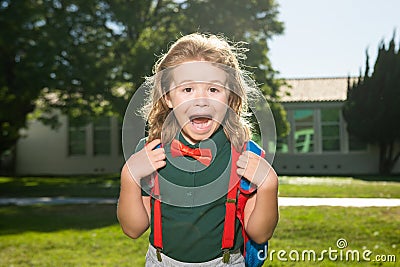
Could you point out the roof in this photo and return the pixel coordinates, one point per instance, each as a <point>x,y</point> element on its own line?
<point>314,89</point>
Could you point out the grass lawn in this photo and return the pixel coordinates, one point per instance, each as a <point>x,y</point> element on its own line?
<point>89,235</point>
<point>337,187</point>
<point>108,186</point>
<point>74,186</point>
<point>76,235</point>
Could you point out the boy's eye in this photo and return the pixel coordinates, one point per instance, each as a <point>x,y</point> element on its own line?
<point>187,89</point>
<point>213,90</point>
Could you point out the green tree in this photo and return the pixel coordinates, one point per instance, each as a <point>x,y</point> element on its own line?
<point>372,107</point>
<point>253,22</point>
<point>55,48</point>
<point>87,58</point>
<point>143,30</point>
<point>18,87</point>
<point>148,28</point>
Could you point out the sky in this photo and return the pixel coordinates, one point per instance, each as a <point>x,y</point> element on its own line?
<point>329,38</point>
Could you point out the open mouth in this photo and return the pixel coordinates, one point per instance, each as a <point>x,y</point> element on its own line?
<point>201,123</point>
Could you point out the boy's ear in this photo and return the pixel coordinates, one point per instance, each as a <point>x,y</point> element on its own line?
<point>168,101</point>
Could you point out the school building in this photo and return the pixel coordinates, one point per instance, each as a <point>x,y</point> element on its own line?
<point>318,143</point>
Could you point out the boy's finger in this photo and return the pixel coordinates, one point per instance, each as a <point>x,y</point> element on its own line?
<point>250,154</point>
<point>158,151</point>
<point>241,163</point>
<point>153,144</point>
<point>240,171</point>
<point>160,156</point>
<point>159,164</point>
<point>243,156</point>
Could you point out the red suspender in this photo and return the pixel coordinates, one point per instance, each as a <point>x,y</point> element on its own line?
<point>157,215</point>
<point>157,224</point>
<point>230,210</point>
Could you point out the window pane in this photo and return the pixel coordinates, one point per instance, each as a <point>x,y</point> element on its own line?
<point>331,144</point>
<point>304,139</point>
<point>102,136</point>
<point>304,130</point>
<point>330,115</point>
<point>330,131</point>
<point>77,141</point>
<point>282,145</point>
<point>303,116</point>
<point>330,121</point>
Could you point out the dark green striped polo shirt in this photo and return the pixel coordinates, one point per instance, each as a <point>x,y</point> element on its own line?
<point>193,202</point>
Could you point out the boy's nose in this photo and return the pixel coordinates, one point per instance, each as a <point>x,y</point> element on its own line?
<point>201,98</point>
<point>201,102</point>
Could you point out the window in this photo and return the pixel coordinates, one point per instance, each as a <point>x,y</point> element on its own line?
<point>76,138</point>
<point>330,126</point>
<point>102,136</point>
<point>282,145</point>
<point>304,130</point>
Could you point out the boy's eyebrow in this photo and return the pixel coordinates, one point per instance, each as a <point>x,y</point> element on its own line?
<point>195,81</point>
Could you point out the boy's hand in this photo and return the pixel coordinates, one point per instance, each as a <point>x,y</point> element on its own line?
<point>253,167</point>
<point>147,160</point>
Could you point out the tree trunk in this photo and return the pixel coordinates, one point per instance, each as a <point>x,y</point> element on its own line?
<point>8,162</point>
<point>386,158</point>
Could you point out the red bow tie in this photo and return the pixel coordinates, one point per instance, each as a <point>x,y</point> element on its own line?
<point>203,155</point>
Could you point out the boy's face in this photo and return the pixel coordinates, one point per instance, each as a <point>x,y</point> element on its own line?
<point>199,99</point>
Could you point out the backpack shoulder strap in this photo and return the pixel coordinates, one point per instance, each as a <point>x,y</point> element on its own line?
<point>255,148</point>
<point>245,186</point>
<point>233,208</point>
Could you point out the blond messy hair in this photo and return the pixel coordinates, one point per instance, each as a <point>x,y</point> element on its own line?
<point>208,48</point>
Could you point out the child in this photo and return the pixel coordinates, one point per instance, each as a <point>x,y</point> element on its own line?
<point>198,103</point>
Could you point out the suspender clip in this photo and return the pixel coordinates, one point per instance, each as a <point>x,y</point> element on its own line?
<point>226,256</point>
<point>231,200</point>
<point>158,252</point>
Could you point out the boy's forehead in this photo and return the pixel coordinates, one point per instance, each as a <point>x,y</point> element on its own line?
<point>199,72</point>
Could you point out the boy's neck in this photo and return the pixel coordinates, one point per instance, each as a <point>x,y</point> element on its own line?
<point>193,142</point>
<point>189,140</point>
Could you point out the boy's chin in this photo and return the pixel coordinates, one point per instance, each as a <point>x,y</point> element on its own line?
<point>193,135</point>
